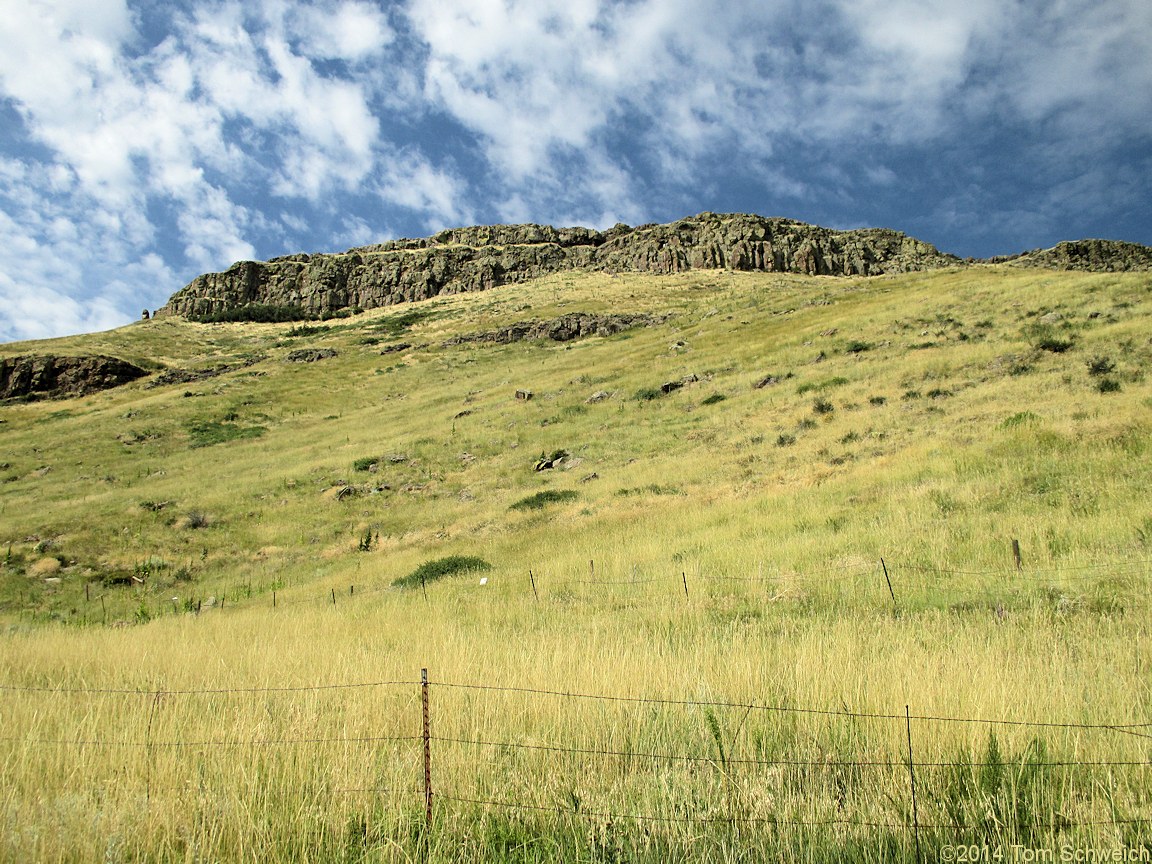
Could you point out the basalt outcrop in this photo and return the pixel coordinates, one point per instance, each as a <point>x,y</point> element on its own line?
<point>566,328</point>
<point>48,376</point>
<point>484,257</point>
<point>1097,256</point>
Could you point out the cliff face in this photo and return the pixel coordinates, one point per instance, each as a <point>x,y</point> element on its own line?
<point>47,376</point>
<point>483,257</point>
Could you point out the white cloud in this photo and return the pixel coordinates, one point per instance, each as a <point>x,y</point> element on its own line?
<point>539,80</point>
<point>48,253</point>
<point>410,181</point>
<point>346,31</point>
<point>170,146</point>
<point>230,106</point>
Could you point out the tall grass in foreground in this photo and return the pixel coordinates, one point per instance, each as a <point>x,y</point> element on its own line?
<point>776,728</point>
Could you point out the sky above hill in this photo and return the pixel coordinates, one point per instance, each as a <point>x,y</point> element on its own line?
<point>145,142</point>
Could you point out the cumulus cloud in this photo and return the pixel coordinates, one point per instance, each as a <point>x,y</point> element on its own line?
<point>232,106</point>
<point>149,145</point>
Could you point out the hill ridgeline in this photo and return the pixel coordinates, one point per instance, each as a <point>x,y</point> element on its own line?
<point>483,257</point>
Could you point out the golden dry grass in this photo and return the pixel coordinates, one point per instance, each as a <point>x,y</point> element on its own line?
<point>950,434</point>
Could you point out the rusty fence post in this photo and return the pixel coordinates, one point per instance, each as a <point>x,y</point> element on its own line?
<point>427,756</point>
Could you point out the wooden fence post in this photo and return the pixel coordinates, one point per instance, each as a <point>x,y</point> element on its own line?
<point>1016,555</point>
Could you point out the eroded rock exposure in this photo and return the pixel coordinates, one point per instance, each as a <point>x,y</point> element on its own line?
<point>576,325</point>
<point>1098,256</point>
<point>48,376</point>
<point>479,258</point>
<point>483,257</point>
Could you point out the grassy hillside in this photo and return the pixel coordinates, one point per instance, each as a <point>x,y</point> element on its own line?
<point>718,546</point>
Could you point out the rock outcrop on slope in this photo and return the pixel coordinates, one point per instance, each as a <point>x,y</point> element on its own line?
<point>1098,256</point>
<point>566,328</point>
<point>483,257</point>
<point>48,376</point>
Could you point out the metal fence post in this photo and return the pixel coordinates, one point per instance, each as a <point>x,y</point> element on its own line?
<point>427,754</point>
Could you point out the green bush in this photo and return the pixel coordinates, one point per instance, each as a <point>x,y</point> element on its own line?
<point>1100,365</point>
<point>548,496</point>
<point>713,399</point>
<point>823,406</point>
<point>365,463</point>
<point>1054,344</point>
<point>647,394</point>
<point>453,565</point>
<point>255,312</point>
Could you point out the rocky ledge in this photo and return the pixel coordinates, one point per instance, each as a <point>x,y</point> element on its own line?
<point>47,376</point>
<point>1098,256</point>
<point>479,258</point>
<point>483,257</point>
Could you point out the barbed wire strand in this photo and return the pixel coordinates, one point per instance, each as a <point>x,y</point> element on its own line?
<point>266,742</point>
<point>164,691</point>
<point>704,703</point>
<point>810,763</point>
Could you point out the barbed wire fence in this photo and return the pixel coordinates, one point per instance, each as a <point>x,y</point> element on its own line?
<point>425,746</point>
<point>899,580</point>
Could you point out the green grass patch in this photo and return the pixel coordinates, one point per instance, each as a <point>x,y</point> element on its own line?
<point>821,386</point>
<point>650,489</point>
<point>205,433</point>
<point>542,499</point>
<point>453,565</point>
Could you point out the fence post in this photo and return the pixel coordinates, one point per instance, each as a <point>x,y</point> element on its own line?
<point>684,576</point>
<point>333,596</point>
<point>912,774</point>
<point>533,580</point>
<point>427,756</point>
<point>889,581</point>
<point>1016,554</point>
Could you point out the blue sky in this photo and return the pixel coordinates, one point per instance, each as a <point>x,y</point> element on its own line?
<point>145,142</point>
